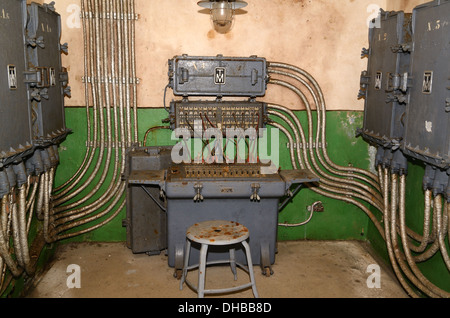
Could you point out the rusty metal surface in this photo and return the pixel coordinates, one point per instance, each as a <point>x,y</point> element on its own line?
<point>217,172</point>
<point>151,177</point>
<point>223,115</point>
<point>218,232</point>
<point>298,177</point>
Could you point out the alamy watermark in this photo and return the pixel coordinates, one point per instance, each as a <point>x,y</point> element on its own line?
<point>374,279</point>
<point>73,21</point>
<point>74,279</point>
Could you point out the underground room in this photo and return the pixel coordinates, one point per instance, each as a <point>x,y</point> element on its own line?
<point>225,149</point>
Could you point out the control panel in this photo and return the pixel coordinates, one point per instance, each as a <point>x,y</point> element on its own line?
<point>201,116</point>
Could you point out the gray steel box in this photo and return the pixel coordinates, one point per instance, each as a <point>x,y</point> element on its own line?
<point>218,76</point>
<point>44,59</point>
<point>427,120</point>
<point>145,220</point>
<point>386,79</point>
<point>238,192</point>
<point>14,112</point>
<point>224,198</point>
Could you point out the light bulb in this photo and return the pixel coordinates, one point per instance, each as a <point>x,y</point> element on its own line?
<point>222,15</point>
<point>222,12</point>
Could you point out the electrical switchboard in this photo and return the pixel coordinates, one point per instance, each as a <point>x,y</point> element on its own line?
<point>49,85</point>
<point>384,84</point>
<point>218,76</point>
<point>222,115</point>
<point>15,132</point>
<point>427,121</point>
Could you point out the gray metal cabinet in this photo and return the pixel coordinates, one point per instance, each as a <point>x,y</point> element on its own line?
<point>427,121</point>
<point>218,76</point>
<point>15,132</point>
<point>48,79</point>
<point>384,84</point>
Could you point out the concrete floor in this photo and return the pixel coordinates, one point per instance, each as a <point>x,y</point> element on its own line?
<point>302,270</point>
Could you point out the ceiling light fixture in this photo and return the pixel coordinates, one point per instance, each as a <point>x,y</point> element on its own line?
<point>222,12</point>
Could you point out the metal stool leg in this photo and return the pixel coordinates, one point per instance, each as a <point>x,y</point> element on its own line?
<point>250,268</point>
<point>233,262</point>
<point>187,252</point>
<point>202,271</point>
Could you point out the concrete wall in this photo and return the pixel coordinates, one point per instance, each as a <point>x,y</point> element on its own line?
<point>324,37</point>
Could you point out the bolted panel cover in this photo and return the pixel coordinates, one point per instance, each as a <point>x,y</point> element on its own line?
<point>384,83</point>
<point>218,76</point>
<point>15,133</point>
<point>427,128</point>
<point>44,59</point>
<point>145,220</point>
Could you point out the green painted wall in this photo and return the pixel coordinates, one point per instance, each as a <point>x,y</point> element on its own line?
<point>434,269</point>
<point>339,221</point>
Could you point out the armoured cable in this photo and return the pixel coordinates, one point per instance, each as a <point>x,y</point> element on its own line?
<point>133,68</point>
<point>433,246</point>
<point>32,201</point>
<point>338,188</point>
<point>425,239</point>
<point>372,194</point>
<point>92,218</point>
<point>40,199</point>
<point>126,43</point>
<point>425,285</point>
<point>94,227</point>
<point>442,223</point>
<point>32,195</point>
<point>102,73</point>
<point>151,130</point>
<point>15,270</point>
<point>98,146</point>
<point>323,113</point>
<point>46,208</point>
<point>324,190</point>
<point>302,223</point>
<point>78,175</point>
<point>120,75</point>
<point>23,234</point>
<point>113,188</point>
<point>320,127</point>
<point>326,179</point>
<point>387,229</point>
<point>16,230</point>
<point>399,256</point>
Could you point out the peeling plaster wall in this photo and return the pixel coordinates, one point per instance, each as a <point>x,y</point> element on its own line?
<point>324,37</point>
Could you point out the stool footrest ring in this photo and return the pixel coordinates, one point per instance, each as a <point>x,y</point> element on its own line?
<point>243,267</point>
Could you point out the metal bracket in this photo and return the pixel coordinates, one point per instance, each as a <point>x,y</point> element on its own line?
<point>363,83</point>
<point>198,189</point>
<point>255,189</point>
<point>400,98</point>
<point>365,52</point>
<point>401,48</point>
<point>33,42</point>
